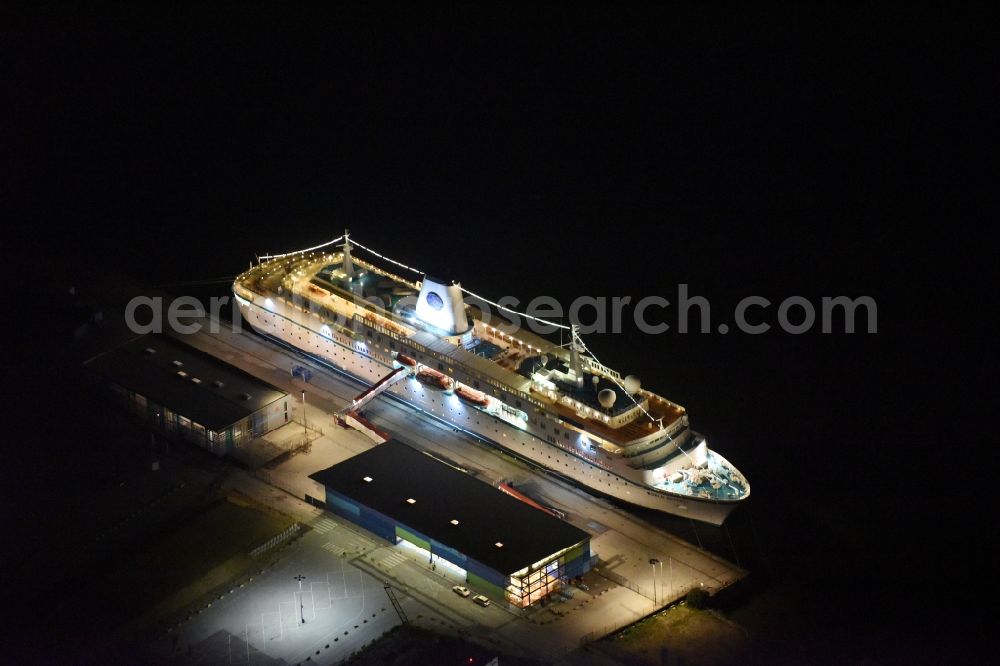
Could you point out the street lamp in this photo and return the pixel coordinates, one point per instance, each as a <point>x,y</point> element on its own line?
<point>302,609</point>
<point>304,428</point>
<point>653,562</point>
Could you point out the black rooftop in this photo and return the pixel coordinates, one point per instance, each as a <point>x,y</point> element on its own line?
<point>485,515</point>
<point>150,364</point>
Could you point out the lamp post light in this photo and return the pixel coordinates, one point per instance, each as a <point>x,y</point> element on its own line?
<point>302,609</point>
<point>653,562</point>
<point>304,428</point>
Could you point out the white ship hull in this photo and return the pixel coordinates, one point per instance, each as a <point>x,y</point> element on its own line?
<point>305,331</point>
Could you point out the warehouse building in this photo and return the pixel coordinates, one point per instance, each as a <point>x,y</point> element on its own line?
<point>507,549</point>
<point>186,392</point>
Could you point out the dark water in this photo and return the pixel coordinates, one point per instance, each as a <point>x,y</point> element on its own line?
<point>611,153</point>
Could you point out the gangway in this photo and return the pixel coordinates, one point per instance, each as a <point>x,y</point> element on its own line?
<point>350,415</point>
<point>364,426</point>
<point>372,391</point>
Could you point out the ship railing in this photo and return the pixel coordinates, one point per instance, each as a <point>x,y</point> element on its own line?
<point>248,292</point>
<point>475,374</point>
<point>654,444</point>
<point>360,319</point>
<point>309,306</point>
<point>337,292</point>
<point>602,369</point>
<point>382,271</point>
<point>649,395</point>
<point>738,478</point>
<point>320,311</point>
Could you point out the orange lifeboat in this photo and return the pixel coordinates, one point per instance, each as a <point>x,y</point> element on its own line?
<point>434,378</point>
<point>403,359</point>
<point>471,396</point>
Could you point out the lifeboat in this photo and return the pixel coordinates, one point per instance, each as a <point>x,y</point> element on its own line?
<point>471,396</point>
<point>434,379</point>
<point>403,359</point>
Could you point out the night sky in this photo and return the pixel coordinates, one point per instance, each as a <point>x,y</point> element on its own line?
<point>785,150</point>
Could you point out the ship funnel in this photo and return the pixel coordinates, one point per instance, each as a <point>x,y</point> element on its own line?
<point>442,306</point>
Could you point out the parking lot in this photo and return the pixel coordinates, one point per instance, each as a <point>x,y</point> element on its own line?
<point>331,611</point>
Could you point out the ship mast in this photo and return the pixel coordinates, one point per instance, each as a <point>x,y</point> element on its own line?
<point>574,355</point>
<point>348,262</point>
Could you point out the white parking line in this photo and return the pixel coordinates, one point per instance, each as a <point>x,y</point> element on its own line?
<point>312,590</point>
<point>312,602</point>
<point>271,626</point>
<point>323,525</point>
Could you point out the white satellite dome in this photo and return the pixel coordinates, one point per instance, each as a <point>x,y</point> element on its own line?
<point>632,384</point>
<point>595,379</point>
<point>544,359</point>
<point>607,398</point>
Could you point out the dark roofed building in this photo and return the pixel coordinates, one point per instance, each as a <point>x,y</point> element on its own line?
<point>185,391</point>
<point>507,548</point>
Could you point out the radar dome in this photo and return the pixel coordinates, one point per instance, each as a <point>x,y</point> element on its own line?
<point>632,384</point>
<point>544,360</point>
<point>595,379</point>
<point>607,398</point>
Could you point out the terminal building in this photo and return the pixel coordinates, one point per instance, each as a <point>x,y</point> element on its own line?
<point>186,392</point>
<point>507,549</point>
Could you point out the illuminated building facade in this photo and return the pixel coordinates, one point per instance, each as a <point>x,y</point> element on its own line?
<point>190,394</point>
<point>505,548</point>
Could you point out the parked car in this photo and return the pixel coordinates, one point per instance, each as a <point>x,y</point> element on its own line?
<point>481,600</point>
<point>460,590</point>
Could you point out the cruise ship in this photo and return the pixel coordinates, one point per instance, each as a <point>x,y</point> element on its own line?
<point>553,405</point>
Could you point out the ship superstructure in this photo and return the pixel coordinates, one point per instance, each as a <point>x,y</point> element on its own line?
<point>553,405</point>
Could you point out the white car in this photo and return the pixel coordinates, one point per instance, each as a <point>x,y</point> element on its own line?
<point>481,600</point>
<point>460,591</point>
